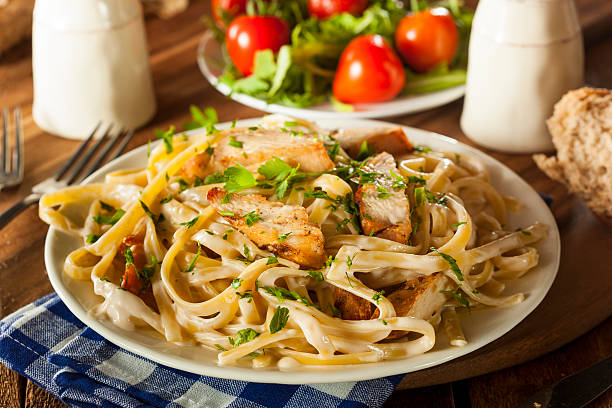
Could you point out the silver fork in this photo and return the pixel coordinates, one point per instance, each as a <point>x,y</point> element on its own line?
<point>77,165</point>
<point>11,169</point>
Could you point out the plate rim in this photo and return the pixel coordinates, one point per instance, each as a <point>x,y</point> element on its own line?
<point>440,98</point>
<point>368,372</point>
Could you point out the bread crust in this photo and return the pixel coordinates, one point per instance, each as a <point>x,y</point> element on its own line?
<point>581,130</point>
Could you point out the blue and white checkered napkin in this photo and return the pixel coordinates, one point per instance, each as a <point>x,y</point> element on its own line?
<point>48,344</point>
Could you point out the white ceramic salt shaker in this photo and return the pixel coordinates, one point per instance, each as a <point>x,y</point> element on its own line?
<point>90,64</point>
<point>523,56</point>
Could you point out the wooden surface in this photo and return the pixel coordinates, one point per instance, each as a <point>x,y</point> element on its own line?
<point>578,302</point>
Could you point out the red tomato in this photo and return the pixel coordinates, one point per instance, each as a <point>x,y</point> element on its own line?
<point>248,34</point>
<point>369,71</point>
<point>231,8</point>
<point>327,8</point>
<point>427,38</point>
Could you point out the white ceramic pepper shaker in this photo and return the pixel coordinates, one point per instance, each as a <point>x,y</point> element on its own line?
<point>90,64</point>
<point>524,55</point>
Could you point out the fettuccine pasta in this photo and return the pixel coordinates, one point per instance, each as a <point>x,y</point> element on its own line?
<point>288,245</point>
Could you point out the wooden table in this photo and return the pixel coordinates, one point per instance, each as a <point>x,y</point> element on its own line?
<point>178,83</point>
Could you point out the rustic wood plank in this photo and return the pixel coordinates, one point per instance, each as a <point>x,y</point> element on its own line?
<point>12,387</point>
<point>36,397</point>
<point>506,388</point>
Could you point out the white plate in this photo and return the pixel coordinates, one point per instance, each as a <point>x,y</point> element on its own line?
<point>481,327</point>
<point>210,62</point>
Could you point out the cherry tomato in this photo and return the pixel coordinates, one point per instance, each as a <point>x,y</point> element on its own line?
<point>327,8</point>
<point>231,8</point>
<point>248,34</point>
<point>427,38</point>
<point>369,71</point>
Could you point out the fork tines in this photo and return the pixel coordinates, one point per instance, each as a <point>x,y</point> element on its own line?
<point>85,154</point>
<point>11,166</point>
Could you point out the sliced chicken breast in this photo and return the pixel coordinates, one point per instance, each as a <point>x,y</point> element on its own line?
<point>378,138</point>
<point>282,229</point>
<point>352,307</point>
<point>384,210</point>
<point>252,148</point>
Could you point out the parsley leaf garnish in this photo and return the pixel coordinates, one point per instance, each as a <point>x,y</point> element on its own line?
<point>272,260</point>
<point>167,136</point>
<point>226,213</point>
<point>236,283</point>
<point>243,336</point>
<point>166,199</point>
<point>156,218</point>
<point>91,238</point>
<point>251,218</point>
<point>317,275</point>
<point>422,149</point>
<point>283,236</point>
<point>286,294</point>
<point>193,260</point>
<point>220,347</point>
<point>191,223</point>
<point>458,296</point>
<point>235,143</point>
<point>455,225</point>
<point>279,320</point>
<point>207,119</point>
<point>377,296</point>
<point>451,261</point>
<point>365,151</point>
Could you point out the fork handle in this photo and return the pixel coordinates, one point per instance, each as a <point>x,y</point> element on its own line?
<point>16,209</point>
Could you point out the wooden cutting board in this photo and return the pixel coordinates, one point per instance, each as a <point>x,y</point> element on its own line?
<point>580,299</point>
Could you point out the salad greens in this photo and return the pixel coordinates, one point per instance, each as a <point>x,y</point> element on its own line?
<point>301,73</point>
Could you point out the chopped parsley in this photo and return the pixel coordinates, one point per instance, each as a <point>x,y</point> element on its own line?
<point>226,234</point>
<point>166,199</point>
<point>191,223</point>
<point>167,136</point>
<point>457,224</point>
<point>209,150</point>
<point>183,185</point>
<point>365,151</point>
<point>377,296</point>
<point>286,294</point>
<point>291,123</point>
<point>251,218</point>
<point>243,336</point>
<point>272,260</point>
<point>236,283</point>
<point>226,198</point>
<point>342,224</point>
<point>317,275</point>
<point>226,213</point>
<point>283,236</point>
<point>246,253</point>
<point>522,231</point>
<point>384,322</point>
<point>422,149</point>
<point>458,296</point>
<point>382,196</point>
<point>156,218</point>
<point>451,261</point>
<point>279,320</point>
<point>247,294</point>
<point>115,214</point>
<point>253,127</point>
<point>349,261</point>
<point>335,312</point>
<point>193,260</point>
<point>91,238</point>
<point>330,260</point>
<point>333,151</point>
<point>207,119</point>
<point>220,347</point>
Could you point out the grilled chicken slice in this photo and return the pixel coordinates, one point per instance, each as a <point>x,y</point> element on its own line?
<point>384,210</point>
<point>352,307</point>
<point>252,148</point>
<point>378,138</point>
<point>132,279</point>
<point>420,298</point>
<point>197,166</point>
<point>282,229</point>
